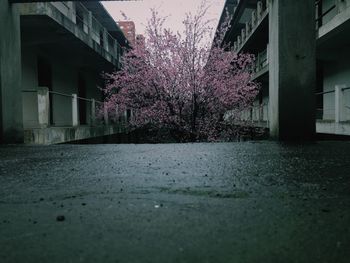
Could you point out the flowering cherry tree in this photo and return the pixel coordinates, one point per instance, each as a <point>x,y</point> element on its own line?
<point>182,82</point>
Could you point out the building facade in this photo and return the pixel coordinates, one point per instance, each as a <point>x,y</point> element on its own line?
<point>129,30</point>
<point>302,63</point>
<point>51,93</point>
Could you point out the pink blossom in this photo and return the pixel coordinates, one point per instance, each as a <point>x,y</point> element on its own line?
<point>182,81</point>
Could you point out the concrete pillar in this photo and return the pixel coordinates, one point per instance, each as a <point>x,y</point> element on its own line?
<point>116,113</point>
<point>105,39</point>
<point>258,63</point>
<point>253,19</point>
<point>292,67</point>
<point>43,107</point>
<point>75,117</point>
<point>93,112</point>
<point>72,12</point>
<point>11,117</point>
<point>247,29</point>
<point>105,115</point>
<point>259,10</point>
<point>339,103</point>
<point>243,34</point>
<point>89,22</point>
<point>261,112</point>
<point>126,116</point>
<point>267,53</point>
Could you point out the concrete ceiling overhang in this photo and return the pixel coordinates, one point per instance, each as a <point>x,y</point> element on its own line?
<point>228,10</point>
<point>50,37</point>
<point>239,17</point>
<point>100,13</point>
<point>335,44</point>
<point>107,21</point>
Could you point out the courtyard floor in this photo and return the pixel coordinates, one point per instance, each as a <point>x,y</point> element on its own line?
<point>225,202</point>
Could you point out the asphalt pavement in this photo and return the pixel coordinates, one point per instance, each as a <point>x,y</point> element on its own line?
<point>221,202</point>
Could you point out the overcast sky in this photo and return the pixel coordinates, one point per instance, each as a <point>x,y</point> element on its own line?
<point>139,11</point>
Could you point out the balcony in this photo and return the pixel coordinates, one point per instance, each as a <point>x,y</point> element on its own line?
<point>75,19</point>
<point>257,115</point>
<point>261,65</point>
<point>330,15</point>
<point>258,19</point>
<point>333,111</point>
<point>84,117</point>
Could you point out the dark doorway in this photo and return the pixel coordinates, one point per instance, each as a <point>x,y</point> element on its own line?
<point>45,80</point>
<point>82,102</point>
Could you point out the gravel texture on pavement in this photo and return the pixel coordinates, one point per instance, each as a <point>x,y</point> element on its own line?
<point>222,202</point>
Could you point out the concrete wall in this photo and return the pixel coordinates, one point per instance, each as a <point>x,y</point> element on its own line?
<point>29,82</point>
<point>64,7</point>
<point>326,5</point>
<point>341,5</point>
<point>11,123</point>
<point>64,80</point>
<point>336,72</point>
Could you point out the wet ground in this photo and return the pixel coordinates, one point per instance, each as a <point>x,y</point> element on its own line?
<point>229,202</point>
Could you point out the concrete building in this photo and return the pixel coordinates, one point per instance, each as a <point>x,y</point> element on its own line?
<point>129,30</point>
<point>52,55</point>
<point>141,39</point>
<point>302,62</point>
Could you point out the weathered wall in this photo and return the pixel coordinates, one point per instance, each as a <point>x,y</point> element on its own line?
<point>336,72</point>
<point>64,80</point>
<point>29,82</point>
<point>11,123</point>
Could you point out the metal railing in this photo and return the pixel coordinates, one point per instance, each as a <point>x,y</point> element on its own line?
<point>331,105</point>
<point>98,109</point>
<point>83,18</point>
<point>261,61</point>
<point>256,17</point>
<point>256,113</point>
<point>322,112</point>
<point>326,10</point>
<point>46,105</point>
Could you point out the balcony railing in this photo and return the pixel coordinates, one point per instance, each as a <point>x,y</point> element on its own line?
<point>257,16</point>
<point>332,105</point>
<point>258,114</point>
<point>326,10</point>
<point>40,101</point>
<point>94,33</point>
<point>261,61</point>
<point>90,25</point>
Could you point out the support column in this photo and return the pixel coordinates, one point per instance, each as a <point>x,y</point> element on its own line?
<point>292,65</point>
<point>43,107</point>
<point>75,117</point>
<point>339,103</point>
<point>105,39</point>
<point>11,119</point>
<point>117,117</point>
<point>93,112</point>
<point>254,18</point>
<point>105,115</point>
<point>259,10</point>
